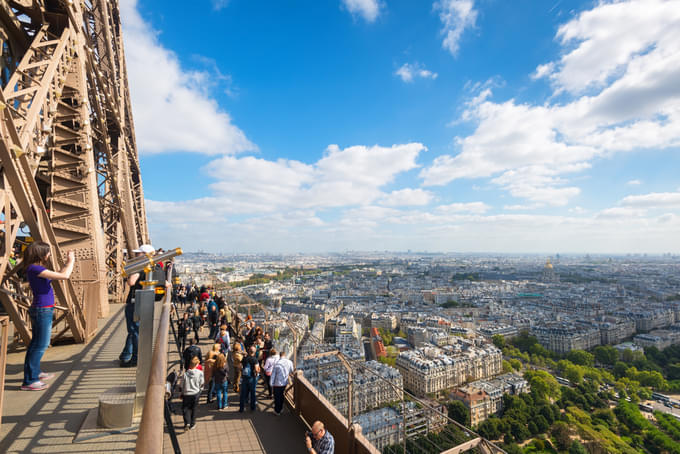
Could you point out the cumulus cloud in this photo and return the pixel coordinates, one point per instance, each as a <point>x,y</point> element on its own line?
<point>342,177</point>
<point>172,106</point>
<point>368,9</point>
<point>653,200</point>
<point>456,16</point>
<point>407,197</point>
<point>620,79</point>
<point>634,182</point>
<point>408,72</point>
<point>470,207</point>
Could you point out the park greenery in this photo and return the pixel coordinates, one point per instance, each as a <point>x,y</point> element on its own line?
<point>597,413</point>
<point>286,274</point>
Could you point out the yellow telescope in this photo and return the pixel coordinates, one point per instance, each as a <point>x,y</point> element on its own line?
<point>147,263</point>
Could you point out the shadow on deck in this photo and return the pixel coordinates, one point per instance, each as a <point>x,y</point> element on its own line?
<point>229,431</point>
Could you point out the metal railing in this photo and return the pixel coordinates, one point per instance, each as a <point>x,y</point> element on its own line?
<point>150,436</point>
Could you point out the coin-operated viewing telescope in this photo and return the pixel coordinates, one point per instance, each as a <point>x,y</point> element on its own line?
<point>156,275</point>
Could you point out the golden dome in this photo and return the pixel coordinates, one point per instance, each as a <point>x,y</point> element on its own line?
<point>548,265</point>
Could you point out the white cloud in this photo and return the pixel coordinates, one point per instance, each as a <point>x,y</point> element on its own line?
<point>342,177</point>
<point>172,108</point>
<point>605,41</point>
<point>408,72</point>
<point>368,9</point>
<point>456,16</point>
<point>407,197</point>
<point>634,183</point>
<point>631,103</point>
<point>653,200</point>
<point>470,207</point>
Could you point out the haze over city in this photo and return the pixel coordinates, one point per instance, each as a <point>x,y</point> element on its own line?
<point>453,125</point>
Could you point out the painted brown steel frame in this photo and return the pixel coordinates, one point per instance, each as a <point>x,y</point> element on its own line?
<point>95,32</point>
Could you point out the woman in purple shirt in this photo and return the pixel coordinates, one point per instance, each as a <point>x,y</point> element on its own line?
<point>36,257</point>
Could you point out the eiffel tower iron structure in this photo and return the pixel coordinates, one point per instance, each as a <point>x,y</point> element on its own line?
<point>69,167</point>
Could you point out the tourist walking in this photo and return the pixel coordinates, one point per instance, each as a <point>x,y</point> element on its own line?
<point>192,351</point>
<point>223,339</point>
<point>213,319</point>
<point>196,323</point>
<point>184,326</point>
<point>268,367</point>
<point>237,358</point>
<point>191,391</point>
<point>249,380</point>
<point>209,368</point>
<point>36,258</point>
<point>220,378</point>
<point>279,380</point>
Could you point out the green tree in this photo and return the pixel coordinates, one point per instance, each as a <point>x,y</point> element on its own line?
<point>498,341</point>
<point>574,374</point>
<point>577,448</point>
<point>516,364</point>
<point>606,354</point>
<point>560,432</point>
<point>542,383</point>
<point>581,357</point>
<point>459,412</point>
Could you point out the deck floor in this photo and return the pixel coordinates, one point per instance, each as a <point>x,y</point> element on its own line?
<point>48,421</point>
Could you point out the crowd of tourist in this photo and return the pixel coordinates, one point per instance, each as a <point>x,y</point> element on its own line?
<point>238,355</point>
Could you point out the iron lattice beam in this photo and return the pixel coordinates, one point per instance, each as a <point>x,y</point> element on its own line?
<point>69,162</point>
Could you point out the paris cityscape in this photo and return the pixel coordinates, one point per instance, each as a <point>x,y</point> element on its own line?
<point>474,330</point>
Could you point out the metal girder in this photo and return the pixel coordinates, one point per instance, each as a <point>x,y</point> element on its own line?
<point>69,163</point>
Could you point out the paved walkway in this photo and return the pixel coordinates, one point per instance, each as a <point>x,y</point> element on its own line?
<point>47,421</point>
<point>228,431</point>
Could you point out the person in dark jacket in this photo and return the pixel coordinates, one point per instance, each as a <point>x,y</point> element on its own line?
<point>196,324</point>
<point>184,326</point>
<point>192,351</point>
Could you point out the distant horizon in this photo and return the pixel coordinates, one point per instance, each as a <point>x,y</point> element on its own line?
<point>511,254</point>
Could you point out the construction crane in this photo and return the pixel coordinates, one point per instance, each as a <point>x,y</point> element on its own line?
<point>69,164</point>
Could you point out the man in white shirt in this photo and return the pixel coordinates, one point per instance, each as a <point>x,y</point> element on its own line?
<point>279,379</point>
<point>272,359</point>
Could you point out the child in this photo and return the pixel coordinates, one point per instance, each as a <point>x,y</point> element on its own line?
<point>191,391</point>
<point>36,258</point>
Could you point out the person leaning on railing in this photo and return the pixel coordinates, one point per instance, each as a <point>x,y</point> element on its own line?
<point>319,440</point>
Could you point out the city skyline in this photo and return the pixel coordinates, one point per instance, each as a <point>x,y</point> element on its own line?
<point>457,125</point>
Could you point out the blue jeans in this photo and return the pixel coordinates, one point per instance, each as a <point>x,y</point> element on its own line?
<point>129,352</point>
<point>41,328</point>
<point>222,396</point>
<point>248,385</point>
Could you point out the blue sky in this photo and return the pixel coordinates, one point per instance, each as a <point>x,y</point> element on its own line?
<point>453,125</point>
